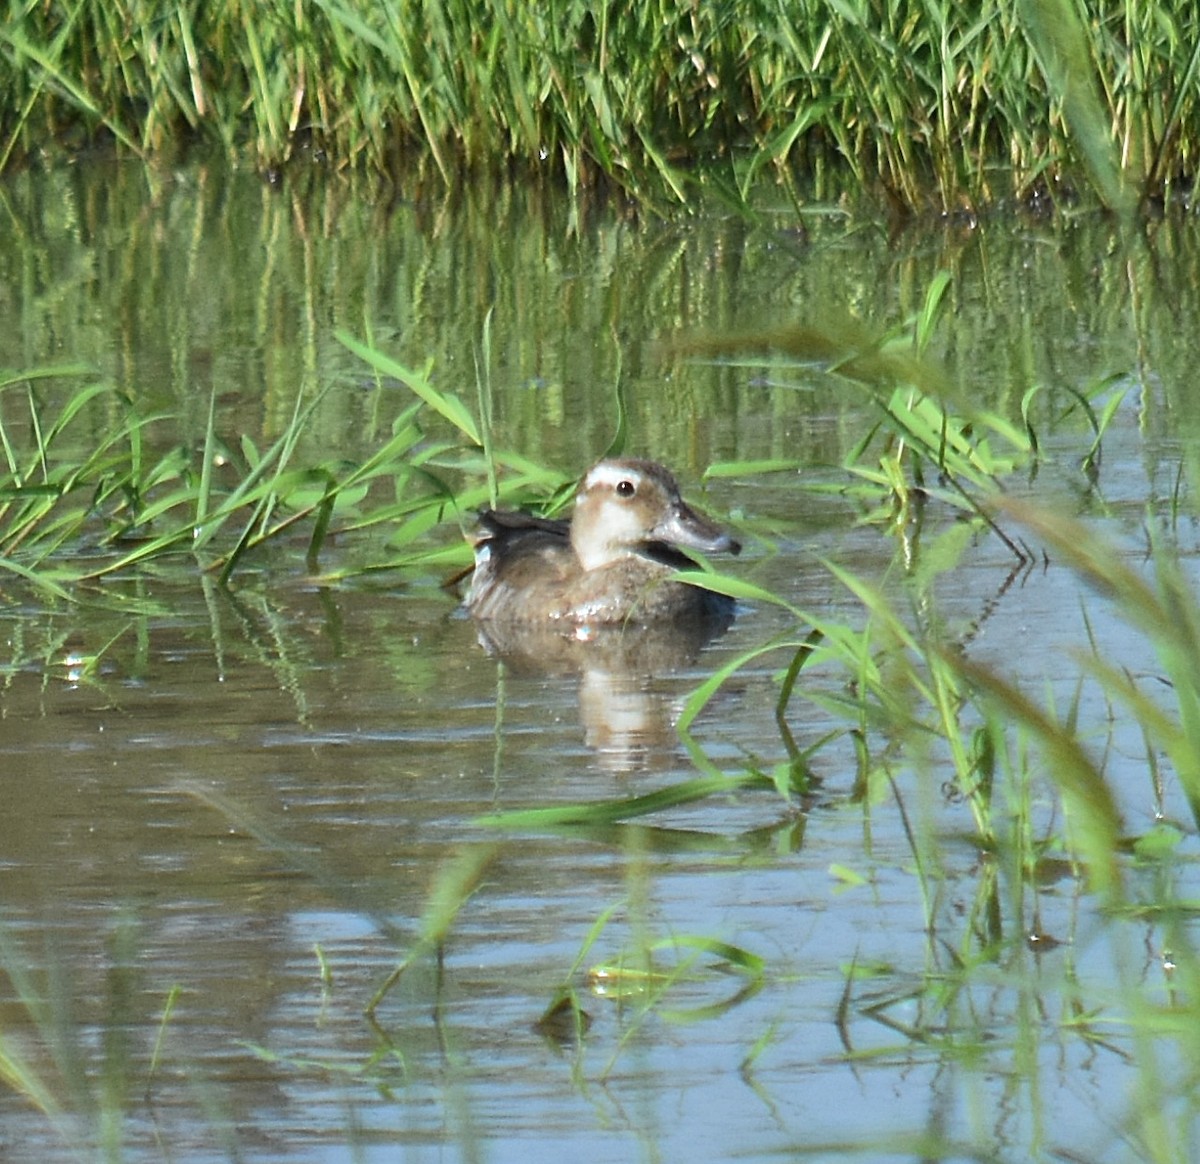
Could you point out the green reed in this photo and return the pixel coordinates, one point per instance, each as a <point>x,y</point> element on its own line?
<point>80,1077</point>
<point>932,103</point>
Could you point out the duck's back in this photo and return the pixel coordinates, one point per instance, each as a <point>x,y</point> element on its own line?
<point>522,564</point>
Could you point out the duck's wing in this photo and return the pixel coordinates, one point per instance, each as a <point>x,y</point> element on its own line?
<point>522,565</point>
<point>500,523</point>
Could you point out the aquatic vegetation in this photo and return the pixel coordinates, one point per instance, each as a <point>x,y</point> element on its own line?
<point>932,103</point>
<point>67,518</point>
<point>1046,804</point>
<point>928,444</point>
<point>84,1088</point>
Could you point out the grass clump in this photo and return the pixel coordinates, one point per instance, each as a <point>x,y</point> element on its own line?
<point>935,104</point>
<point>74,510</point>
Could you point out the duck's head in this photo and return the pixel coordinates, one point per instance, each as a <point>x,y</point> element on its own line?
<point>628,507</point>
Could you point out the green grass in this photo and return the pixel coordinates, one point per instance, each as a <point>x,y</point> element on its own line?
<point>68,520</point>
<point>929,103</point>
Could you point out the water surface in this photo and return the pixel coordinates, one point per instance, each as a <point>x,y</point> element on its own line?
<point>250,798</point>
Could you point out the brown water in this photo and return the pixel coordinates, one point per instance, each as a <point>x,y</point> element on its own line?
<point>257,784</point>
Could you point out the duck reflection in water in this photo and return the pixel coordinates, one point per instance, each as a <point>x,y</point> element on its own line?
<point>597,595</point>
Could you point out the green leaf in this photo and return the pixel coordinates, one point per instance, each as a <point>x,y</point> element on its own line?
<point>445,404</point>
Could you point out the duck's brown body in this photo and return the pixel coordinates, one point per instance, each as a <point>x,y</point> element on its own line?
<point>613,563</point>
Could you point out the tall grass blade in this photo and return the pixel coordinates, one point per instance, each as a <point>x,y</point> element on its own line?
<point>1095,820</point>
<point>298,857</point>
<point>454,884</point>
<point>1058,34</point>
<point>445,404</point>
<point>18,1075</point>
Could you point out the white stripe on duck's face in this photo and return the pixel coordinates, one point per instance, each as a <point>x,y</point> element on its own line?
<point>623,505</point>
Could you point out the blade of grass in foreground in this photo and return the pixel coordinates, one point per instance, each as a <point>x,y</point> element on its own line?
<point>735,588</point>
<point>1165,611</point>
<point>23,1079</point>
<point>297,857</point>
<point>1086,793</point>
<point>453,887</point>
<point>698,700</point>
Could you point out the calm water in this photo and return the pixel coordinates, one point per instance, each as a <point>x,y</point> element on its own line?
<point>250,799</point>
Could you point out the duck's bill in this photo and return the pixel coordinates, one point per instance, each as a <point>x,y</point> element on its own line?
<point>686,528</point>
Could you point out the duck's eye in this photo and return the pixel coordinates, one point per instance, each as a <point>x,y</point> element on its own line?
<point>626,488</point>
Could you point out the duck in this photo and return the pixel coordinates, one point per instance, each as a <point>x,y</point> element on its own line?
<point>613,563</point>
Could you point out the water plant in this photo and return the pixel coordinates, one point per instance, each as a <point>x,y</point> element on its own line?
<point>84,1089</point>
<point>217,504</point>
<point>1045,799</point>
<point>933,103</point>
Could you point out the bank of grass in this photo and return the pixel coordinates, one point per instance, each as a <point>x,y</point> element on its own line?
<point>933,103</point>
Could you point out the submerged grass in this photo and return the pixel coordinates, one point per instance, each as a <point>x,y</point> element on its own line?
<point>935,103</point>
